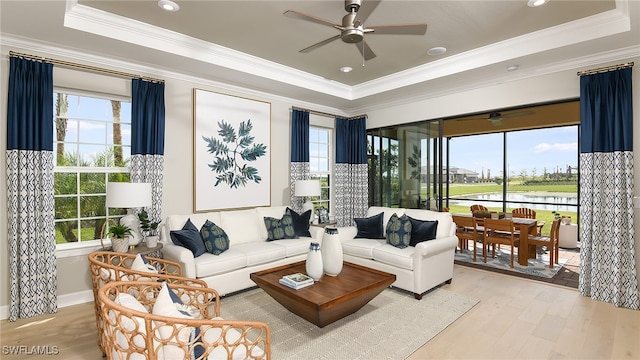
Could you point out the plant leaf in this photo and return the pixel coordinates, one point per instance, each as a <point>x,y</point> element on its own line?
<point>227,132</point>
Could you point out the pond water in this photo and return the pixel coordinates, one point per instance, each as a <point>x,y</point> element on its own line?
<point>554,201</point>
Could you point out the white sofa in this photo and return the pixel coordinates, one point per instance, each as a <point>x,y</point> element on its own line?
<point>417,269</point>
<point>248,249</point>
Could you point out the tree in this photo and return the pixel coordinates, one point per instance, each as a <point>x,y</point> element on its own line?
<point>62,107</point>
<point>117,134</point>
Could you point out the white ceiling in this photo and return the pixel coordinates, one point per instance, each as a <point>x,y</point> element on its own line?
<point>253,45</point>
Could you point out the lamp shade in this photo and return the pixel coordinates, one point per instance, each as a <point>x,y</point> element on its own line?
<point>307,188</point>
<point>128,195</point>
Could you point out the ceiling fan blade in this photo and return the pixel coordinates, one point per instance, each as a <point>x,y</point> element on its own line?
<point>302,16</point>
<point>365,50</point>
<point>366,9</point>
<point>517,113</point>
<point>407,29</point>
<point>317,45</point>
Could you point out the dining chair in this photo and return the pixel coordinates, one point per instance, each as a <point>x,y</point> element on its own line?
<point>478,207</point>
<point>551,242</point>
<point>528,214</point>
<point>467,229</point>
<point>496,232</point>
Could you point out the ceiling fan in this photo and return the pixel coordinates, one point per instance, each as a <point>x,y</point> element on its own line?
<point>496,117</point>
<point>352,29</point>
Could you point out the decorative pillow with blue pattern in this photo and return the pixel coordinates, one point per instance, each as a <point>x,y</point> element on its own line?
<point>399,231</point>
<point>215,239</point>
<point>280,228</point>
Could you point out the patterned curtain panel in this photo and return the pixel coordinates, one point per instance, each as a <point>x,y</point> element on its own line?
<point>351,180</point>
<point>607,255</point>
<point>30,203</point>
<point>299,166</point>
<point>147,139</point>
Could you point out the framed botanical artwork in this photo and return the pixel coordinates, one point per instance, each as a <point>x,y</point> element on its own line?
<point>231,152</point>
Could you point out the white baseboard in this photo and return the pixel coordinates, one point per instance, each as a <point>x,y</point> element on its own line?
<point>65,300</point>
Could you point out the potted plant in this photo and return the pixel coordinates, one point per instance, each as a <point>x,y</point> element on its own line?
<point>119,240</point>
<point>149,229</point>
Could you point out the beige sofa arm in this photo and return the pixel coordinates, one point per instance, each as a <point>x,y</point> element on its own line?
<point>436,246</point>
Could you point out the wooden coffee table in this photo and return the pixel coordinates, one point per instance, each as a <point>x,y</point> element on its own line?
<point>329,299</point>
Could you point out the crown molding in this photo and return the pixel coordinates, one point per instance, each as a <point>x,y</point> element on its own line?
<point>46,49</point>
<point>117,27</point>
<point>100,23</point>
<point>590,28</point>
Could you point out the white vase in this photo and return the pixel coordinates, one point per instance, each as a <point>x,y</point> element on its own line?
<point>152,241</point>
<point>331,252</point>
<point>314,262</point>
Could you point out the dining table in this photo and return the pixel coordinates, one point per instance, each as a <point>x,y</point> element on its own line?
<point>525,227</point>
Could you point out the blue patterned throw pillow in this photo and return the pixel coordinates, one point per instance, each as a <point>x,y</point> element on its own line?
<point>399,231</point>
<point>280,228</point>
<point>215,239</point>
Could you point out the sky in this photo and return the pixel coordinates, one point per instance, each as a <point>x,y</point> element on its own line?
<point>554,148</point>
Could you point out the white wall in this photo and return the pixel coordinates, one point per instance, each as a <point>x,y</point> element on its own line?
<point>73,277</point>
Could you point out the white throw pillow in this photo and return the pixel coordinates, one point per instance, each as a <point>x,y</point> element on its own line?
<point>129,324</point>
<point>140,263</point>
<point>168,304</point>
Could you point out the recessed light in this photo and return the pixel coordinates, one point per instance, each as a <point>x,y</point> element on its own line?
<point>438,50</point>
<point>168,5</point>
<point>346,69</point>
<point>512,67</point>
<point>536,3</point>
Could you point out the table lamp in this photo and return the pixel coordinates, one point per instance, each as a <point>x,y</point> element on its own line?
<point>129,196</point>
<point>307,188</point>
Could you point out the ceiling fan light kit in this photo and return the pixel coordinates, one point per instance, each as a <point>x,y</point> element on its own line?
<point>353,30</point>
<point>168,5</point>
<point>438,50</point>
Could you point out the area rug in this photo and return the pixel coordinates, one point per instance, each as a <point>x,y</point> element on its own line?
<point>391,326</point>
<point>537,267</point>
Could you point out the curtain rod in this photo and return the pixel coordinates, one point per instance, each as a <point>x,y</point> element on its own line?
<point>327,114</point>
<point>605,69</point>
<point>68,64</point>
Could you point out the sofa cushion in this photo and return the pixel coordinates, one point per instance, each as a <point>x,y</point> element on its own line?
<point>445,220</point>
<point>402,258</point>
<point>262,252</point>
<point>242,226</point>
<point>399,231</point>
<point>422,230</point>
<point>301,222</point>
<point>190,238</point>
<point>209,264</point>
<point>215,239</point>
<point>294,247</point>
<point>388,212</point>
<point>370,227</point>
<point>361,247</point>
<point>280,228</point>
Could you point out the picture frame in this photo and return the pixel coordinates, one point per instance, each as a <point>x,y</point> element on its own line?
<point>231,152</point>
<point>323,215</point>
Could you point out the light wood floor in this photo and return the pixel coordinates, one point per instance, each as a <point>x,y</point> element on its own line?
<point>515,319</point>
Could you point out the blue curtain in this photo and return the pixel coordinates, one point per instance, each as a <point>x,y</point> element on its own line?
<point>147,139</point>
<point>607,255</point>
<point>30,202</point>
<point>351,184</point>
<point>299,165</point>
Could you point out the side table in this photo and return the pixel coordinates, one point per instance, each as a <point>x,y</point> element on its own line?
<point>142,249</point>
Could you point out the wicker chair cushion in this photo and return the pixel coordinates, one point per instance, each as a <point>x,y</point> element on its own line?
<point>135,324</point>
<point>140,263</point>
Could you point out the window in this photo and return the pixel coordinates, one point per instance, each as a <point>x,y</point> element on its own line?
<point>319,161</point>
<point>92,142</point>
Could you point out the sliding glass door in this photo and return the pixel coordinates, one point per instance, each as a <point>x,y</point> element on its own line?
<point>405,166</point>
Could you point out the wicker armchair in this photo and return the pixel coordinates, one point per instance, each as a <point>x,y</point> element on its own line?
<point>134,332</point>
<point>108,266</point>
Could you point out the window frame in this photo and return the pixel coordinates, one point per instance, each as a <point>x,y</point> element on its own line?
<point>329,172</point>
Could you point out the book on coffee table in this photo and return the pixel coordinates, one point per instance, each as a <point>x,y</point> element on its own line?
<point>296,281</point>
